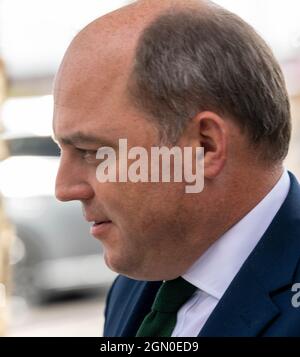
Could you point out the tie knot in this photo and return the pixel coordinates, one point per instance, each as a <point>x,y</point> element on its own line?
<point>172,295</point>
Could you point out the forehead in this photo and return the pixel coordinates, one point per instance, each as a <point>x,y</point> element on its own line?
<point>87,112</point>
<point>84,82</point>
<point>105,113</point>
<point>87,95</point>
<point>90,90</point>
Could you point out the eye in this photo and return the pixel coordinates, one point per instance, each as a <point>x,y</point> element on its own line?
<point>88,155</point>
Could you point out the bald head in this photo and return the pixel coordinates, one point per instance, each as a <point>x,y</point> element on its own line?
<point>106,47</point>
<point>126,24</point>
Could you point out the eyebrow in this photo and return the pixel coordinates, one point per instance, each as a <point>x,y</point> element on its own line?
<point>80,138</point>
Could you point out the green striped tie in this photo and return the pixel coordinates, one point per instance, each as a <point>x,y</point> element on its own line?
<point>160,322</point>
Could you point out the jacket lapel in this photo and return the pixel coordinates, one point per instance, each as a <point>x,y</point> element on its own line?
<point>138,307</point>
<point>243,311</point>
<point>247,307</point>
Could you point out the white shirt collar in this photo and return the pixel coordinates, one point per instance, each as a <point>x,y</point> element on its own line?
<point>216,268</point>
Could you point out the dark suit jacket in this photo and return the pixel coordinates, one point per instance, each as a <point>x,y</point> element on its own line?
<point>257,303</point>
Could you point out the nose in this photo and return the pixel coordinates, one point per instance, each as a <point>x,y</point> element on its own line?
<point>71,185</point>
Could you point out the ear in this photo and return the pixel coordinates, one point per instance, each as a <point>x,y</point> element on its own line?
<point>212,131</point>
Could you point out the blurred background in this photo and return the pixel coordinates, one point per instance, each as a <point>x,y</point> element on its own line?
<point>53,280</point>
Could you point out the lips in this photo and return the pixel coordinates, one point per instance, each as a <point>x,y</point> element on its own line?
<point>95,220</point>
<point>99,228</point>
<point>97,223</point>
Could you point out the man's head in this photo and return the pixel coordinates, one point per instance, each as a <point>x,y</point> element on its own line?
<point>184,73</point>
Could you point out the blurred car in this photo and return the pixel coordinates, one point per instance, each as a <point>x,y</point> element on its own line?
<point>53,250</point>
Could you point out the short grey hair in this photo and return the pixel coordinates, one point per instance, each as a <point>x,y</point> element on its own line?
<point>190,61</point>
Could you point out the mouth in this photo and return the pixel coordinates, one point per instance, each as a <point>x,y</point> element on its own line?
<point>97,223</point>
<point>100,227</point>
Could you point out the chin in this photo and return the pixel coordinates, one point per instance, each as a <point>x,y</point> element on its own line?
<point>119,265</point>
<point>136,269</point>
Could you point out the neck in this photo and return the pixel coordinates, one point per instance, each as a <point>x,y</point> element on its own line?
<point>228,206</point>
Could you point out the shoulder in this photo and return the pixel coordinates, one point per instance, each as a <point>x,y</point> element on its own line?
<point>128,301</point>
<point>122,286</point>
<point>122,296</point>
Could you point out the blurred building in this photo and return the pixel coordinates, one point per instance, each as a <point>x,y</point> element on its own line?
<point>6,231</point>
<point>3,150</point>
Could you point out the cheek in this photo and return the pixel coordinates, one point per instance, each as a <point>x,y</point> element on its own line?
<point>141,209</point>
<point>153,227</point>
